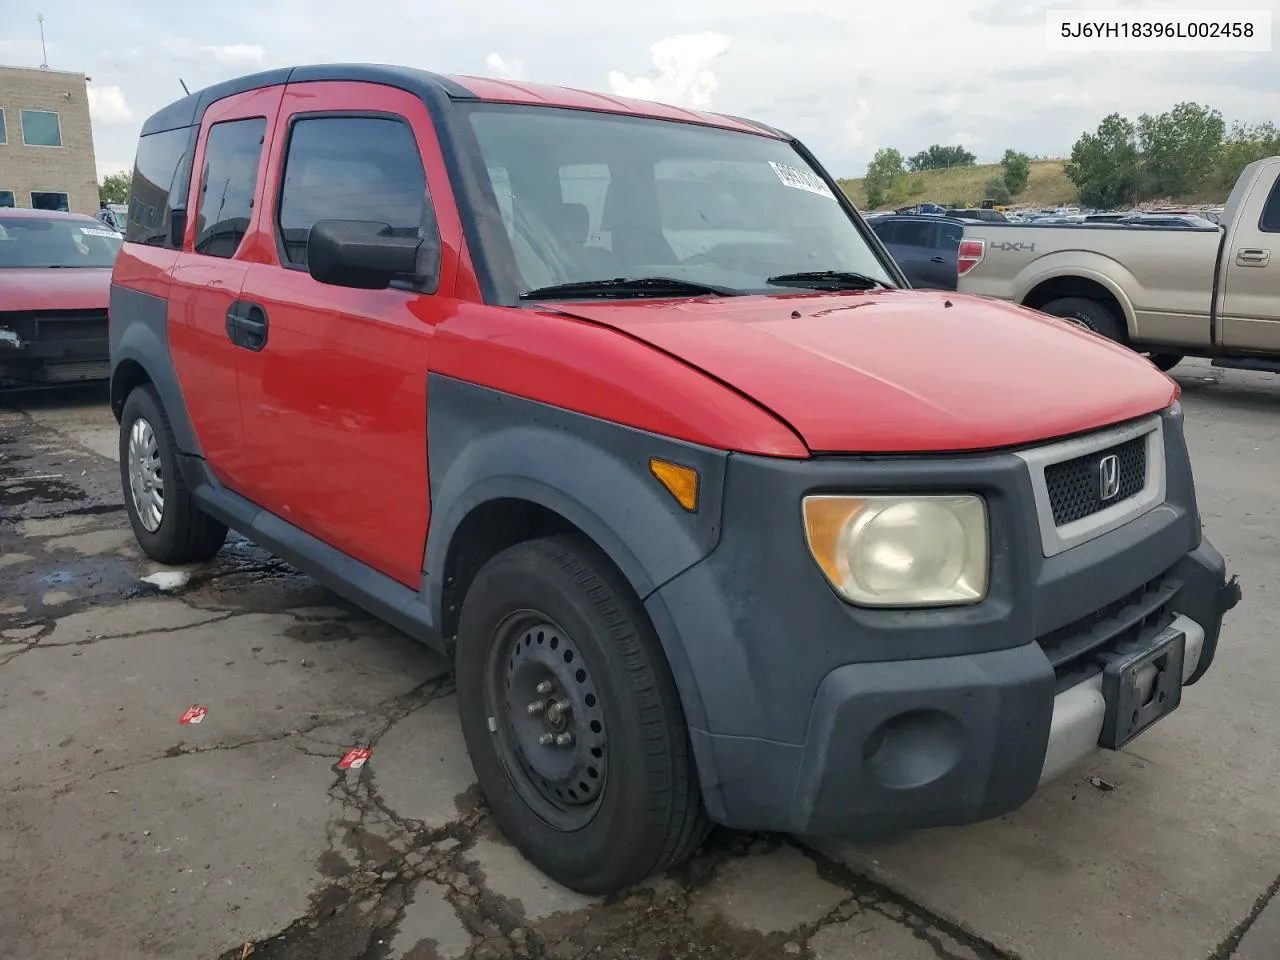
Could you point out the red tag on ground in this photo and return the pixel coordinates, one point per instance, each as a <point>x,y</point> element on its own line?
<point>193,715</point>
<point>354,758</point>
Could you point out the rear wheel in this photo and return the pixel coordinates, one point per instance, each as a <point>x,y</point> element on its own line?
<point>168,525</point>
<point>572,719</point>
<point>1101,319</point>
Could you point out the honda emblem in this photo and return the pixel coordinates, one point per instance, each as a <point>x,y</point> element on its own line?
<point>1108,477</point>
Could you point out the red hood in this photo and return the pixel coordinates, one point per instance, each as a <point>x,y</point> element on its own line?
<point>900,371</point>
<point>43,288</point>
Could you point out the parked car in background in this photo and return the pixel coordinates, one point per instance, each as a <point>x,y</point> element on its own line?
<point>567,452</point>
<point>1168,291</point>
<point>112,218</point>
<point>1168,220</point>
<point>976,213</point>
<point>55,282</point>
<point>925,247</point>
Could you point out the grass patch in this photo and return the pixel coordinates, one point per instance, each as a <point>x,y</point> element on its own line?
<point>1048,186</point>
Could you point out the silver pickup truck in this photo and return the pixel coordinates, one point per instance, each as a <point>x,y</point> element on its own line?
<point>1168,292</point>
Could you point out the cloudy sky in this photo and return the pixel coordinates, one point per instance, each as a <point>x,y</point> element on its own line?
<point>846,77</point>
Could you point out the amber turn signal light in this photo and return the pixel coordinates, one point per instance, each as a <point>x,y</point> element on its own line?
<point>681,482</point>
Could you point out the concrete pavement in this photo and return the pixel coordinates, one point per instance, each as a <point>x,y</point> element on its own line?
<point>124,833</point>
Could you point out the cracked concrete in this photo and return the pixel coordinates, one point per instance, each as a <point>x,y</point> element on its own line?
<point>127,834</point>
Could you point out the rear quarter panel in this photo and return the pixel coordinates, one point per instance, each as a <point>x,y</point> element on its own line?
<point>1162,278</point>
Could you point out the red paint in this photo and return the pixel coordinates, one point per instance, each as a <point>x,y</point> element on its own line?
<point>900,371</point>
<point>203,288</point>
<point>542,95</point>
<point>40,288</point>
<point>193,715</point>
<point>343,379</point>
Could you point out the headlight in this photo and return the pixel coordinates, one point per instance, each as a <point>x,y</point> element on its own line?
<point>901,551</point>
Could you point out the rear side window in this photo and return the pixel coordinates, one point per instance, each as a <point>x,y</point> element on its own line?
<point>228,184</point>
<point>1270,222</point>
<point>350,168</point>
<point>886,230</point>
<point>916,234</point>
<point>161,175</point>
<point>951,236</point>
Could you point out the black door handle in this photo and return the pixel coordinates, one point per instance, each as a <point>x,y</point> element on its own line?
<point>938,260</point>
<point>247,325</point>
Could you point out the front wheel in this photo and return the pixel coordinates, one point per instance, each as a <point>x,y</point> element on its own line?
<point>572,719</point>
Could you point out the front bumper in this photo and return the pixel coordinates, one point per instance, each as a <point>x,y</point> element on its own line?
<point>904,745</point>
<point>807,714</point>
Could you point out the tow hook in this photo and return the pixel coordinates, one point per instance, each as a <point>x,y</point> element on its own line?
<point>10,339</point>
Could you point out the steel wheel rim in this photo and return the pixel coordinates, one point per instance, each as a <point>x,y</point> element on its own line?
<point>539,688</point>
<point>146,475</point>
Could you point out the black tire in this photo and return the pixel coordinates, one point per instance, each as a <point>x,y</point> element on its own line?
<point>1090,314</point>
<point>185,533</point>
<point>1165,361</point>
<point>647,813</point>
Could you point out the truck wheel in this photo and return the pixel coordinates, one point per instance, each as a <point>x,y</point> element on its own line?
<point>1165,361</point>
<point>168,525</point>
<point>1090,314</point>
<point>572,719</point>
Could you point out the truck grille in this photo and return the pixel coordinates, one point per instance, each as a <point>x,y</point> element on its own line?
<point>1075,489</point>
<point>1141,612</point>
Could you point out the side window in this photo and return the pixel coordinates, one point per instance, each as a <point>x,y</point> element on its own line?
<point>886,230</point>
<point>915,234</point>
<point>351,168</point>
<point>951,236</point>
<point>6,198</point>
<point>228,184</point>
<point>1270,222</point>
<point>161,174</point>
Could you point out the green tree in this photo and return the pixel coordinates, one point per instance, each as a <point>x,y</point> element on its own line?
<point>938,157</point>
<point>1104,164</point>
<point>1242,146</point>
<point>1017,171</point>
<point>998,190</point>
<point>883,174</point>
<point>115,187</point>
<point>1180,148</point>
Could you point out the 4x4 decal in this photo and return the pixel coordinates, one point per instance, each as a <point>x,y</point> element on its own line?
<point>1018,247</point>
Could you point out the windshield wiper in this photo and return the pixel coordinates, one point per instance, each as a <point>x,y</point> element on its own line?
<point>827,280</point>
<point>629,286</point>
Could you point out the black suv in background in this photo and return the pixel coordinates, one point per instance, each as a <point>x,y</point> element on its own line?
<point>925,247</point>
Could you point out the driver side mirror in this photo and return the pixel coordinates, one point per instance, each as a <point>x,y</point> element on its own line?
<point>177,227</point>
<point>366,255</point>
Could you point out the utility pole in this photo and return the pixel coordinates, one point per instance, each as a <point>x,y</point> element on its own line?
<point>44,53</point>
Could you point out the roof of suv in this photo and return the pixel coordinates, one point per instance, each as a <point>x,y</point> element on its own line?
<point>434,88</point>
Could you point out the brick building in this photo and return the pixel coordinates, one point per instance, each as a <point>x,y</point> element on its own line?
<point>46,141</point>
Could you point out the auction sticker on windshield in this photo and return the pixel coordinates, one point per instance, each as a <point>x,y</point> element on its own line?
<point>800,179</point>
<point>98,232</point>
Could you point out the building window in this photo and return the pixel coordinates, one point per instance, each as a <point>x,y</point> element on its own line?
<point>41,200</point>
<point>6,198</point>
<point>4,137</point>
<point>41,128</point>
<point>228,184</point>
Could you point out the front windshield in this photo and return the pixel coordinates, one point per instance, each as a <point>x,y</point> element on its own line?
<point>50,242</point>
<point>594,196</point>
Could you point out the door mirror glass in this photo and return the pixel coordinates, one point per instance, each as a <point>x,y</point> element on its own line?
<point>368,256</point>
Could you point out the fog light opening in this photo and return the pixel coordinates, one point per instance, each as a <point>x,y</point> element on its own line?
<point>914,749</point>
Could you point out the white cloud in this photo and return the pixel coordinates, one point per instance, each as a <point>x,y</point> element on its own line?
<point>106,105</point>
<point>249,53</point>
<point>963,138</point>
<point>684,71</point>
<point>857,135</point>
<point>505,69</point>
